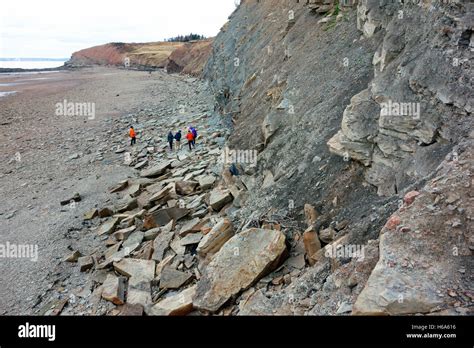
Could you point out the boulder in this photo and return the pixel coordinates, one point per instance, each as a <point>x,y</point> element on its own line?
<point>219,198</point>
<point>243,260</point>
<point>216,238</point>
<point>176,305</point>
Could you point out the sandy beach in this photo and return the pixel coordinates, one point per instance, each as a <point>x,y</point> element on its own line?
<point>46,158</point>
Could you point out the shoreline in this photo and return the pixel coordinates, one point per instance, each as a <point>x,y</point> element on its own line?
<point>60,155</point>
<point>20,70</point>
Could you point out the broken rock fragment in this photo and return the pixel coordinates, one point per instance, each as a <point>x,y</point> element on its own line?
<point>173,279</point>
<point>156,171</point>
<point>162,217</point>
<point>73,257</point>
<point>311,214</point>
<point>90,215</point>
<point>185,188</point>
<point>137,270</point>
<point>119,187</point>
<point>327,235</point>
<point>85,263</point>
<point>207,182</point>
<point>161,244</point>
<point>176,305</point>
<point>216,238</point>
<point>219,198</point>
<point>114,289</point>
<point>108,227</point>
<point>311,244</point>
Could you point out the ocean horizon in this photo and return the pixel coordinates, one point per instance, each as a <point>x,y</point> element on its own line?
<point>32,63</point>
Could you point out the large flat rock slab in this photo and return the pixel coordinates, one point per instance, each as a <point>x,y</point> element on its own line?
<point>156,171</point>
<point>242,261</point>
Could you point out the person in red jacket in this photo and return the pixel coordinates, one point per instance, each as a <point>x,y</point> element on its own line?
<point>133,136</point>
<point>190,138</point>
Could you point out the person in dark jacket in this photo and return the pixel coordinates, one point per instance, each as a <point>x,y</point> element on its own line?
<point>170,140</point>
<point>195,134</point>
<point>178,137</point>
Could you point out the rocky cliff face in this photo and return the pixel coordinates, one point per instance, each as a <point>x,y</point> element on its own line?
<point>364,111</point>
<point>188,58</point>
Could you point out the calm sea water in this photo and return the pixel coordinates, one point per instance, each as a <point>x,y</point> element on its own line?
<point>25,64</point>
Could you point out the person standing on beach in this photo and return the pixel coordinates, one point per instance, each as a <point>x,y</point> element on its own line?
<point>133,136</point>
<point>177,137</point>
<point>190,138</point>
<point>195,135</point>
<point>170,140</point>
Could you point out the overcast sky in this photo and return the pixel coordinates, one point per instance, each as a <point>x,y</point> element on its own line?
<point>57,28</point>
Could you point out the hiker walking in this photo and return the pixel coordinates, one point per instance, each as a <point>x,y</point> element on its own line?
<point>133,136</point>
<point>177,137</point>
<point>195,134</point>
<point>190,138</point>
<point>170,140</point>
